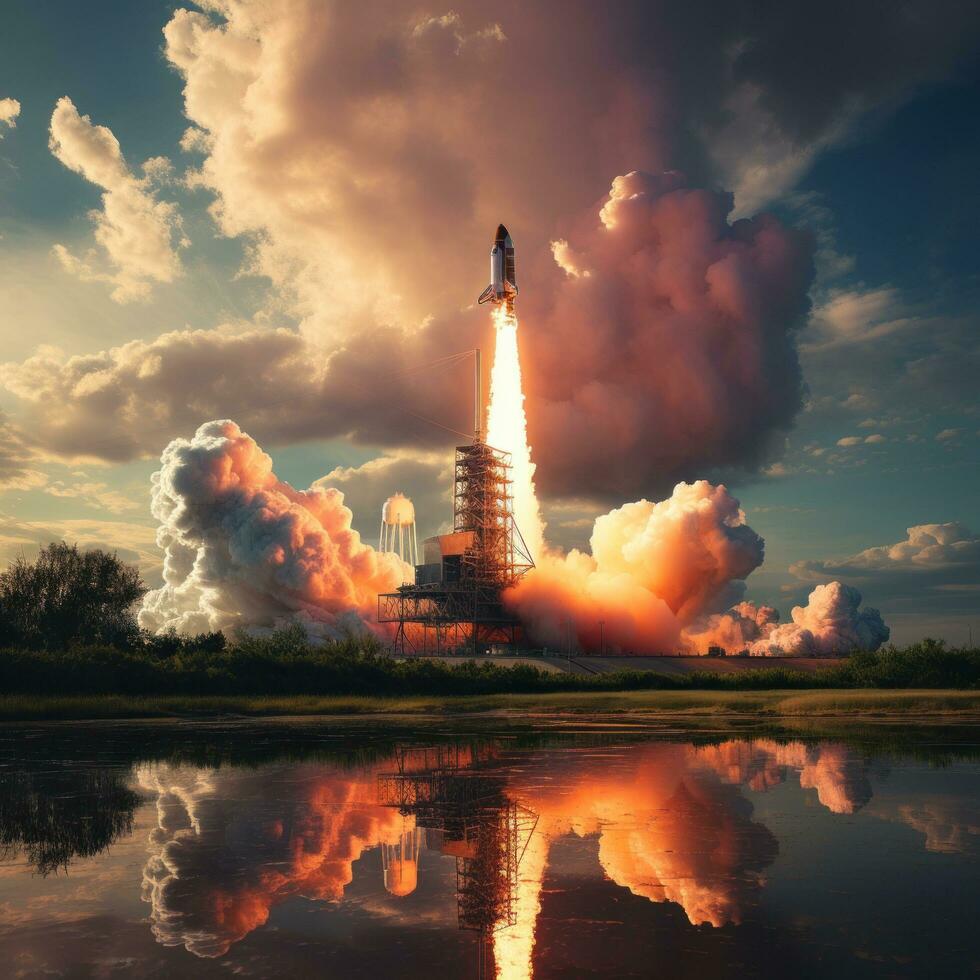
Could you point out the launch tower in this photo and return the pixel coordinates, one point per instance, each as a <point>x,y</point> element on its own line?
<point>455,604</point>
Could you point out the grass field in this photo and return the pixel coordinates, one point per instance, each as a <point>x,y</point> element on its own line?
<point>817,703</point>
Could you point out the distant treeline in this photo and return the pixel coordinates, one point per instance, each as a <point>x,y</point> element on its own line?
<point>287,663</point>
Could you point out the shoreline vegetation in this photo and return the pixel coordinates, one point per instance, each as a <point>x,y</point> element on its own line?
<point>285,674</point>
<point>857,705</point>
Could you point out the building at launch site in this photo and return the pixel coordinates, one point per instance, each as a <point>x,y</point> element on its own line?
<point>456,602</point>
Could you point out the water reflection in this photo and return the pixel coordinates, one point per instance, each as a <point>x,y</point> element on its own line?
<point>58,813</point>
<point>483,822</point>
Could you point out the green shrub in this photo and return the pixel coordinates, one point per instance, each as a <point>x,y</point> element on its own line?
<point>286,662</point>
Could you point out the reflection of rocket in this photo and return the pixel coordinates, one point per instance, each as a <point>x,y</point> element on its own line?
<point>503,276</point>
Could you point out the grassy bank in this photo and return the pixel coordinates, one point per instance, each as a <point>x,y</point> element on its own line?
<point>808,703</point>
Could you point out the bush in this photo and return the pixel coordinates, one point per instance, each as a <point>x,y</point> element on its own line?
<point>287,663</point>
<point>67,597</point>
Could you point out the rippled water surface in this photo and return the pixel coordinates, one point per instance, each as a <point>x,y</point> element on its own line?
<point>290,850</point>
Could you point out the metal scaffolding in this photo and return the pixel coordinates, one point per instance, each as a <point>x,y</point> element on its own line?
<point>464,613</point>
<point>469,813</point>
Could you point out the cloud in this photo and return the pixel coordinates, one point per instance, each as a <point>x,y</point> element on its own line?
<point>684,316</point>
<point>135,230</point>
<point>677,352</point>
<point>17,460</point>
<point>130,401</point>
<point>427,479</point>
<point>135,543</point>
<point>243,549</point>
<point>858,316</point>
<point>93,494</point>
<point>654,568</point>
<point>938,559</point>
<point>9,111</point>
<point>344,140</point>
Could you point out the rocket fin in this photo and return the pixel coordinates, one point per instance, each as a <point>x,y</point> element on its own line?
<point>486,295</point>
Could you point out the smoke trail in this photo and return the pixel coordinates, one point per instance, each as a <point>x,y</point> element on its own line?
<point>507,429</point>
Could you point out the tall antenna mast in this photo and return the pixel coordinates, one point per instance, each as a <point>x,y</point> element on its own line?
<point>478,397</point>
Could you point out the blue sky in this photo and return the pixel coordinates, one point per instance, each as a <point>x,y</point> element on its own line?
<point>889,350</point>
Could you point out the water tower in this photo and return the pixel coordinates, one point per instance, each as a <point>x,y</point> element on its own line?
<point>398,529</point>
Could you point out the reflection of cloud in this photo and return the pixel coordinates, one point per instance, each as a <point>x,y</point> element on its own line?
<point>230,845</point>
<point>668,830</point>
<point>837,774</point>
<point>948,824</point>
<point>701,851</point>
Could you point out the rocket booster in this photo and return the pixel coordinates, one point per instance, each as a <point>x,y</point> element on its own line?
<point>503,274</point>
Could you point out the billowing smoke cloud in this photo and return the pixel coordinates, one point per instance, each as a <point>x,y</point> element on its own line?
<point>831,622</point>
<point>677,351</point>
<point>658,577</point>
<point>652,568</point>
<point>243,548</point>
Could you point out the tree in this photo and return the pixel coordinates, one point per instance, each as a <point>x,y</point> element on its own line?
<point>67,598</point>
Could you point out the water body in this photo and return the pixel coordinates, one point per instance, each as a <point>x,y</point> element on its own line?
<point>578,850</point>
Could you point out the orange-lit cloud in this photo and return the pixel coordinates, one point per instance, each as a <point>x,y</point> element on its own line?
<point>838,774</point>
<point>654,567</point>
<point>243,548</point>
<point>231,845</point>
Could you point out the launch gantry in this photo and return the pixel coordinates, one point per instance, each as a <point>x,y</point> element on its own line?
<point>456,604</point>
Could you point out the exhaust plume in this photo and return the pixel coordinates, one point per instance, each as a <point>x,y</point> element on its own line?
<point>242,548</point>
<point>507,428</point>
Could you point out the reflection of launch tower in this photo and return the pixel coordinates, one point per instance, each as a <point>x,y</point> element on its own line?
<point>456,599</point>
<point>466,814</point>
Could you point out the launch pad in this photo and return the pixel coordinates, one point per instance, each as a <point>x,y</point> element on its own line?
<point>455,605</point>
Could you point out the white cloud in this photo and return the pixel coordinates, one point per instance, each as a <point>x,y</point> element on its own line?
<point>136,231</point>
<point>856,316</point>
<point>936,567</point>
<point>9,111</point>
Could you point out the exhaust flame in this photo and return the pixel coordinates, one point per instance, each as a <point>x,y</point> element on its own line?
<point>507,429</point>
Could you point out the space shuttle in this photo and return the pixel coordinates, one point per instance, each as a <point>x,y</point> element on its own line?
<point>503,274</point>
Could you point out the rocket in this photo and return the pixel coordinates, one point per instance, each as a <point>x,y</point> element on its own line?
<point>503,275</point>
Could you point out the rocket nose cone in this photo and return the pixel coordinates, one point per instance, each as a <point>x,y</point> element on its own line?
<point>501,233</point>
